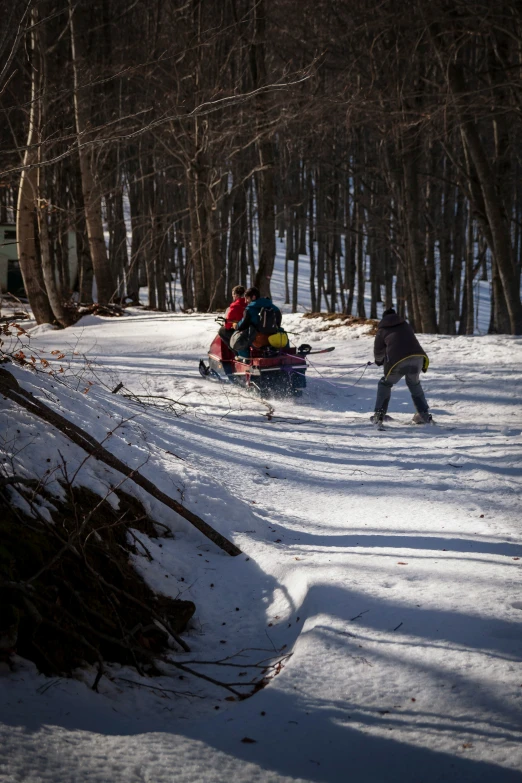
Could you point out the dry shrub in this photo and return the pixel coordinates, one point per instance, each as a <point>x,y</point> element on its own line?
<point>69,592</point>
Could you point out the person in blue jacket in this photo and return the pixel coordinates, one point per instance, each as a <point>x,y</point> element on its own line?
<point>247,332</point>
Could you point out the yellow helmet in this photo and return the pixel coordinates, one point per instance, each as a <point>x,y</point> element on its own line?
<point>278,340</point>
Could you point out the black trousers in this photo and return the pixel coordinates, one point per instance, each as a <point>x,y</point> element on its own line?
<point>410,369</point>
<point>225,335</point>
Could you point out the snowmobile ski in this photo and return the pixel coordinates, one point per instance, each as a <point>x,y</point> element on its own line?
<point>324,350</point>
<point>204,370</point>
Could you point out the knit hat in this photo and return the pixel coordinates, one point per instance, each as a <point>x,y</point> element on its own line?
<point>389,311</point>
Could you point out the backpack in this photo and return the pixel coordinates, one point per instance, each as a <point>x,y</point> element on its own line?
<point>267,321</point>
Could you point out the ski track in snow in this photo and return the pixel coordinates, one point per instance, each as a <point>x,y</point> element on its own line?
<point>389,563</point>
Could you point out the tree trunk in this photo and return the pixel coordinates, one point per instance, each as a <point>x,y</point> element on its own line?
<point>83,253</point>
<point>92,196</point>
<point>295,277</point>
<point>311,240</point>
<point>359,256</point>
<point>446,287</point>
<point>289,249</point>
<point>470,319</point>
<point>265,177</point>
<point>497,220</point>
<point>415,247</point>
<point>25,216</point>
<point>48,268</point>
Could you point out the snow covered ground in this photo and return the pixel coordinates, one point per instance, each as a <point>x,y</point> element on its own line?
<point>389,564</point>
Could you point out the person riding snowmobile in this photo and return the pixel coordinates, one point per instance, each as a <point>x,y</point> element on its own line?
<point>250,330</point>
<point>234,314</point>
<point>397,348</point>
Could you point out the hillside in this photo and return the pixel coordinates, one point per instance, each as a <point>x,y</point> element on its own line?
<point>376,602</point>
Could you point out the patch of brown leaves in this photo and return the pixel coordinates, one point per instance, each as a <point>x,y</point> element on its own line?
<point>346,320</point>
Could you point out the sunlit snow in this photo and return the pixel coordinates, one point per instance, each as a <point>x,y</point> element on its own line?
<point>389,564</point>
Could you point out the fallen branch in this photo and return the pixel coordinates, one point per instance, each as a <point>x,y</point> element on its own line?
<point>6,480</point>
<point>185,694</point>
<point>11,389</point>
<point>132,396</point>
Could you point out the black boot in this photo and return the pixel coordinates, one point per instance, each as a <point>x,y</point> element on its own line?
<point>378,417</point>
<point>422,418</point>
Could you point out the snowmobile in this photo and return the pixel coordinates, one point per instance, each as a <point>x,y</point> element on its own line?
<point>272,372</point>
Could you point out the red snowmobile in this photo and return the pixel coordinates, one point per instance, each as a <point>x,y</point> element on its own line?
<point>272,372</point>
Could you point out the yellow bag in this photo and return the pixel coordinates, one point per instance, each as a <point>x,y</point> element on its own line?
<point>278,340</point>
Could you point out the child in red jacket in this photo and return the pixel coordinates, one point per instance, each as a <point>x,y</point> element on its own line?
<point>234,314</point>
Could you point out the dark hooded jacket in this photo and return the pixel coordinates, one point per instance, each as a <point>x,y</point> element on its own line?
<point>251,316</point>
<point>395,340</point>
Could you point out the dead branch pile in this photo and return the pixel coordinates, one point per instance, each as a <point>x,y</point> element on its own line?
<point>69,592</point>
<point>107,310</point>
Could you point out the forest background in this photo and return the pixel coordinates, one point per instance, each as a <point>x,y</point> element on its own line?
<point>179,139</point>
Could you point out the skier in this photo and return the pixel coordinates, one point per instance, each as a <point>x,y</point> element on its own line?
<point>261,319</point>
<point>397,348</point>
<point>234,314</point>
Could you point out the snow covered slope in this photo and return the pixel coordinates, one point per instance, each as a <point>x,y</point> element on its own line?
<point>389,563</point>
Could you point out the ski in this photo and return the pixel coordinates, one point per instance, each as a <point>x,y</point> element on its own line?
<point>324,350</point>
<point>396,423</point>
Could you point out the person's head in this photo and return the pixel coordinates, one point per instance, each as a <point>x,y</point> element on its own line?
<point>238,291</point>
<point>252,293</point>
<point>389,311</point>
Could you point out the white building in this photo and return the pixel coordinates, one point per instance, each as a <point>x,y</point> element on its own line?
<point>10,274</point>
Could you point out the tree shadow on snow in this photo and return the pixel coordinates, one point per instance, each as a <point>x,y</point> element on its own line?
<point>403,542</point>
<point>314,738</point>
